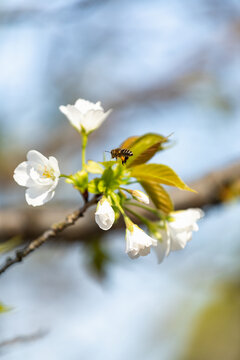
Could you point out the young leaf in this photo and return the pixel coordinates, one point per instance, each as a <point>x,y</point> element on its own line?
<point>158,195</point>
<point>108,164</point>
<point>144,148</point>
<point>129,142</point>
<point>108,176</point>
<point>93,186</point>
<point>101,186</point>
<point>94,167</point>
<point>79,180</point>
<point>161,174</point>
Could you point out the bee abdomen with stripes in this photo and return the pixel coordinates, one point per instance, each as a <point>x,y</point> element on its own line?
<point>123,154</point>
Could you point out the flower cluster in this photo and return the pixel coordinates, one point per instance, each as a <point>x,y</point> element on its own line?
<point>169,231</point>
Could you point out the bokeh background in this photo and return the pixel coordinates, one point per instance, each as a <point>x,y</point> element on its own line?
<point>162,66</point>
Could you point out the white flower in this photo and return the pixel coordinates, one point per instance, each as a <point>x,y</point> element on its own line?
<point>104,216</point>
<point>140,196</point>
<point>40,175</point>
<point>178,231</point>
<point>138,243</point>
<point>85,115</point>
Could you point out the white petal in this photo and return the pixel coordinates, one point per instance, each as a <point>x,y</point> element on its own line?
<point>185,219</point>
<point>179,240</point>
<point>73,115</point>
<point>163,246</point>
<point>84,106</point>
<point>93,119</point>
<point>37,178</point>
<point>36,157</point>
<point>35,196</point>
<point>145,251</point>
<point>21,174</point>
<point>53,163</point>
<point>138,243</point>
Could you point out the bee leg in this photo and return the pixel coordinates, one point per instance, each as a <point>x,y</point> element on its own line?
<point>124,160</point>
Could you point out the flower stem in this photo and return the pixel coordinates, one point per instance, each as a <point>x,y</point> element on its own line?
<point>115,200</point>
<point>145,207</point>
<point>84,145</point>
<point>64,176</point>
<point>140,217</point>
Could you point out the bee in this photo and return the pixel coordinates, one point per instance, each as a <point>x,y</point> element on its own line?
<point>122,154</point>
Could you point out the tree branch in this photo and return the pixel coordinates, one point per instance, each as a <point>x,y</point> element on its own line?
<point>209,189</point>
<point>51,232</point>
<point>28,223</point>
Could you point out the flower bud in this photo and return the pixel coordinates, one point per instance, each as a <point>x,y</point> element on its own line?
<point>140,196</point>
<point>104,215</point>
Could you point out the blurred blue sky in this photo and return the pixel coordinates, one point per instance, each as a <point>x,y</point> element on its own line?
<point>163,67</point>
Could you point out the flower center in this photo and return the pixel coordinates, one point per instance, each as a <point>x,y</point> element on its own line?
<point>48,173</point>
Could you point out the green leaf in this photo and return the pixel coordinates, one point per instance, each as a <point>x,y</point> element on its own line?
<point>108,176</point>
<point>97,257</point>
<point>101,186</point>
<point>109,163</point>
<point>93,186</point>
<point>129,142</point>
<point>157,173</point>
<point>144,148</point>
<point>158,195</point>
<point>10,244</point>
<point>93,167</point>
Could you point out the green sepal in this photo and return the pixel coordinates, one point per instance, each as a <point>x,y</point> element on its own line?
<point>116,199</point>
<point>129,224</point>
<point>117,213</point>
<point>79,180</point>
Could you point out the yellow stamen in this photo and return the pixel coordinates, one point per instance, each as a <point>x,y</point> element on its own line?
<point>48,173</point>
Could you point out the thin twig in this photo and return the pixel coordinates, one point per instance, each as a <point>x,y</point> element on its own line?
<point>51,232</point>
<point>23,338</point>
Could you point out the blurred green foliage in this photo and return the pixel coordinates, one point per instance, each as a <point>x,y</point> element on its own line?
<point>4,308</point>
<point>217,331</point>
<point>97,258</point>
<point>10,244</point>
